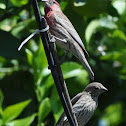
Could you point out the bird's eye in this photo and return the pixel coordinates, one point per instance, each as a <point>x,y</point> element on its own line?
<point>96,88</point>
<point>54,2</point>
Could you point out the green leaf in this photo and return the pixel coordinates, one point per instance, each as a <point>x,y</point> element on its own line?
<point>39,63</point>
<point>13,111</point>
<point>80,3</point>
<point>56,104</point>
<point>29,56</point>
<point>104,22</point>
<point>2,6</point>
<point>44,110</point>
<point>1,98</point>
<point>113,114</point>
<point>19,3</point>
<point>63,4</point>
<point>2,61</point>
<point>40,92</point>
<point>120,34</point>
<point>22,29</point>
<point>1,102</point>
<point>120,6</point>
<point>115,56</point>
<point>23,122</point>
<point>0,122</point>
<point>91,29</point>
<point>76,76</point>
<point>108,22</point>
<point>74,70</point>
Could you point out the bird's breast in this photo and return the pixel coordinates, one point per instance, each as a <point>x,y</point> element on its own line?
<point>50,19</point>
<point>84,110</point>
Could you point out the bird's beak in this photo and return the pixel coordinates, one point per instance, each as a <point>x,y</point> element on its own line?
<point>104,89</point>
<point>46,2</point>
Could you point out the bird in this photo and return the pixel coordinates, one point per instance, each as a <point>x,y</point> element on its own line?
<point>64,33</point>
<point>84,104</point>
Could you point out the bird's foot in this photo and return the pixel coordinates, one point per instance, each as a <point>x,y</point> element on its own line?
<point>52,39</point>
<point>59,39</point>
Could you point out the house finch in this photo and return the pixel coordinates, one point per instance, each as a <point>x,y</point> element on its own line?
<point>84,104</point>
<point>63,31</point>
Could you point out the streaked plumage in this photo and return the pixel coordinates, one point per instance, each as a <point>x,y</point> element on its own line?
<point>84,104</point>
<point>61,27</point>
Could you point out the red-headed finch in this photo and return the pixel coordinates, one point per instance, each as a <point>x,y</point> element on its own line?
<point>84,104</point>
<point>65,34</point>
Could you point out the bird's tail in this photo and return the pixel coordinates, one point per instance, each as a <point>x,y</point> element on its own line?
<point>78,52</point>
<point>87,66</point>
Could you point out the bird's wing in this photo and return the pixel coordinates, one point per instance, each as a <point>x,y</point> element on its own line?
<point>64,22</point>
<point>76,98</point>
<point>73,101</point>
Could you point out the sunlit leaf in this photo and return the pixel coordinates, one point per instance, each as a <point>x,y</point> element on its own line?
<point>2,61</point>
<point>113,114</point>
<point>19,3</point>
<point>29,56</point>
<point>13,111</point>
<point>119,34</point>
<point>115,56</point>
<point>73,71</point>
<point>78,3</point>
<point>23,122</point>
<point>108,22</point>
<point>40,92</point>
<point>91,29</point>
<point>75,76</point>
<point>2,6</point>
<point>44,110</point>
<point>0,122</point>
<point>120,6</point>
<point>104,22</point>
<point>22,28</point>
<point>39,63</point>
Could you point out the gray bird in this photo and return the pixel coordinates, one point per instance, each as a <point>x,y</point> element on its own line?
<point>84,104</point>
<point>65,34</point>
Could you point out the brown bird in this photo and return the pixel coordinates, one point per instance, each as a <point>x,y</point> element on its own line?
<point>84,104</point>
<point>65,34</point>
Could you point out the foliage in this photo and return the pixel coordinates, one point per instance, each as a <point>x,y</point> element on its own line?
<point>24,75</point>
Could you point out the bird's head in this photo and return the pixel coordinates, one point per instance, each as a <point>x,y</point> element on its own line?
<point>51,5</point>
<point>95,89</point>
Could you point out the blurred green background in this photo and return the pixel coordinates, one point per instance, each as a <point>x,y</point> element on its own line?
<point>28,96</point>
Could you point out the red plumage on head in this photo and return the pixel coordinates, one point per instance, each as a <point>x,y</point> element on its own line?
<point>52,7</point>
<point>55,2</point>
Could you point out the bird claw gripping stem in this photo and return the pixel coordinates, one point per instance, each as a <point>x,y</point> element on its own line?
<point>54,38</point>
<point>62,40</point>
<point>32,35</point>
<point>51,38</point>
